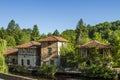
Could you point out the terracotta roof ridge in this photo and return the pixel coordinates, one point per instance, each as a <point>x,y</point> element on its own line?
<point>99,42</point>
<point>55,37</point>
<point>32,42</point>
<point>93,41</point>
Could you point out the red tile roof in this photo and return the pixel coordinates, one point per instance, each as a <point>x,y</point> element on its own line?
<point>29,44</point>
<point>11,51</point>
<point>95,44</point>
<point>53,38</point>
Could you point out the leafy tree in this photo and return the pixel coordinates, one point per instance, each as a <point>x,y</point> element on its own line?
<point>68,56</point>
<point>70,36</point>
<point>98,37</point>
<point>3,66</point>
<point>10,41</point>
<point>3,33</point>
<point>56,33</point>
<point>114,40</point>
<point>35,33</point>
<point>28,31</point>
<point>23,38</point>
<point>49,34</point>
<point>43,36</point>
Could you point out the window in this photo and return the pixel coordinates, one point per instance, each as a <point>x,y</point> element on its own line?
<point>28,62</point>
<point>13,61</point>
<point>52,62</point>
<point>22,62</point>
<point>49,51</point>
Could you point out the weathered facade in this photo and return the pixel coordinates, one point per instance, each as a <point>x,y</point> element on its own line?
<point>11,56</point>
<point>103,49</point>
<point>29,54</point>
<point>50,50</point>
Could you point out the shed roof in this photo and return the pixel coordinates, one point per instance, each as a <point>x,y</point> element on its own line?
<point>95,43</point>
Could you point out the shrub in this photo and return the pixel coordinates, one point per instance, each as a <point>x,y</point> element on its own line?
<point>47,70</point>
<point>100,71</point>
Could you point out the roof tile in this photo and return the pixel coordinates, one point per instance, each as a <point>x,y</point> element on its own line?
<point>11,51</point>
<point>95,44</point>
<point>29,44</point>
<point>53,38</point>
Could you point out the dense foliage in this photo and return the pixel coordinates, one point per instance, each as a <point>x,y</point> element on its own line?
<point>100,71</point>
<point>3,66</point>
<point>47,70</point>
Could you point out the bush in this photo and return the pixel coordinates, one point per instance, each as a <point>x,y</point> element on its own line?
<point>20,69</point>
<point>47,70</point>
<point>100,71</point>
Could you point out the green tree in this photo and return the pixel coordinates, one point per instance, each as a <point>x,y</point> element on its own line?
<point>3,66</point>
<point>114,38</point>
<point>10,41</point>
<point>15,34</point>
<point>28,31</point>
<point>23,37</point>
<point>35,33</point>
<point>56,33</point>
<point>43,36</point>
<point>49,34</point>
<point>68,54</point>
<point>3,33</point>
<point>81,32</point>
<point>97,36</point>
<point>11,27</point>
<point>69,35</point>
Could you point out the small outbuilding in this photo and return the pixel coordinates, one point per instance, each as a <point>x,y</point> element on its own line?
<point>102,48</point>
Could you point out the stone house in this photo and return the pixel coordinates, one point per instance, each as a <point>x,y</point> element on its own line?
<point>29,54</point>
<point>50,50</point>
<point>33,54</point>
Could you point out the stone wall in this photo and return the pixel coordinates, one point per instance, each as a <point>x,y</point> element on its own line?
<point>6,76</point>
<point>44,49</point>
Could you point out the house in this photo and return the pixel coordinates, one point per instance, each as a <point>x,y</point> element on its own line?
<point>33,54</point>
<point>50,50</point>
<point>29,54</point>
<point>103,49</point>
<point>11,56</point>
